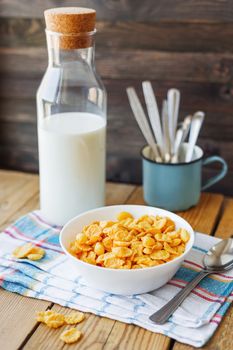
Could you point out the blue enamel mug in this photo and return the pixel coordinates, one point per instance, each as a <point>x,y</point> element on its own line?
<point>178,186</point>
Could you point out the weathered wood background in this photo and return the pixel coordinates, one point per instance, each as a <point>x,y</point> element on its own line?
<point>186,44</point>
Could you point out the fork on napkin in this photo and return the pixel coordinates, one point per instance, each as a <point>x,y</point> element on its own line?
<point>193,323</point>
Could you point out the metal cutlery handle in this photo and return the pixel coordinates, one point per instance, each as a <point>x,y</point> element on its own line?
<point>153,113</point>
<point>142,121</point>
<point>195,127</point>
<point>166,135</point>
<point>162,315</point>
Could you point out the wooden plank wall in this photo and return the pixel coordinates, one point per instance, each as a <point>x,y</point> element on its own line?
<point>175,43</point>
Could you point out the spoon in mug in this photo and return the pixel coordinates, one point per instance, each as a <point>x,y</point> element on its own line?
<point>181,135</point>
<point>195,127</point>
<point>217,260</point>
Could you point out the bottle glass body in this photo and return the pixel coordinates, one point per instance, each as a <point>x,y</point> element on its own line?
<point>71,112</point>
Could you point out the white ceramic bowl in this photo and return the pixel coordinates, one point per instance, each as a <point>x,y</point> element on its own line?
<point>124,282</point>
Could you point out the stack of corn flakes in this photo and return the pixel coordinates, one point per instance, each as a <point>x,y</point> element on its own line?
<point>130,243</point>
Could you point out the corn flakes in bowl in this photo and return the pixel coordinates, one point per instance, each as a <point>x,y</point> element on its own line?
<point>126,249</point>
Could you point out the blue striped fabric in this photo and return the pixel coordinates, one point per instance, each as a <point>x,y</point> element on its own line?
<point>193,323</point>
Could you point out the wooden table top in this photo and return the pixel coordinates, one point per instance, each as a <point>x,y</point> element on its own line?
<point>19,194</point>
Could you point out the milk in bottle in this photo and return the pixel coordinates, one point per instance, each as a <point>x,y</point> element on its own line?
<point>71,108</point>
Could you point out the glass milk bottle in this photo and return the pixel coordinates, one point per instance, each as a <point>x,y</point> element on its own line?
<point>71,109</point>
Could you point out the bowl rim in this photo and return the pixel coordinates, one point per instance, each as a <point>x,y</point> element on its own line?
<point>94,267</point>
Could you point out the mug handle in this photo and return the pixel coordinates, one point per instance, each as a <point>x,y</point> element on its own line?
<point>217,177</point>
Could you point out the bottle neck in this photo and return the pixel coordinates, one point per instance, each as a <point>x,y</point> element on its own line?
<point>64,48</point>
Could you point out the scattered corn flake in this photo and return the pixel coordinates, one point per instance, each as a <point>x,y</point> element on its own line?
<point>35,256</point>
<point>37,250</point>
<point>71,335</point>
<point>74,318</point>
<point>42,314</point>
<point>23,251</point>
<point>29,251</point>
<point>54,320</point>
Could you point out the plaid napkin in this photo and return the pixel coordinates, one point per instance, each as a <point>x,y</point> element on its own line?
<point>193,323</point>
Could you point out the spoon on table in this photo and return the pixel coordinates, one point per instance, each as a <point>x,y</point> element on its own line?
<point>217,260</point>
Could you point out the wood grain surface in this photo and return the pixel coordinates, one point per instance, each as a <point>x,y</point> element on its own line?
<point>185,66</point>
<point>17,192</point>
<point>175,43</point>
<point>164,36</point>
<point>192,10</point>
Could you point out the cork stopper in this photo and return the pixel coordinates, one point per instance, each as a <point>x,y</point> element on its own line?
<point>73,23</point>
